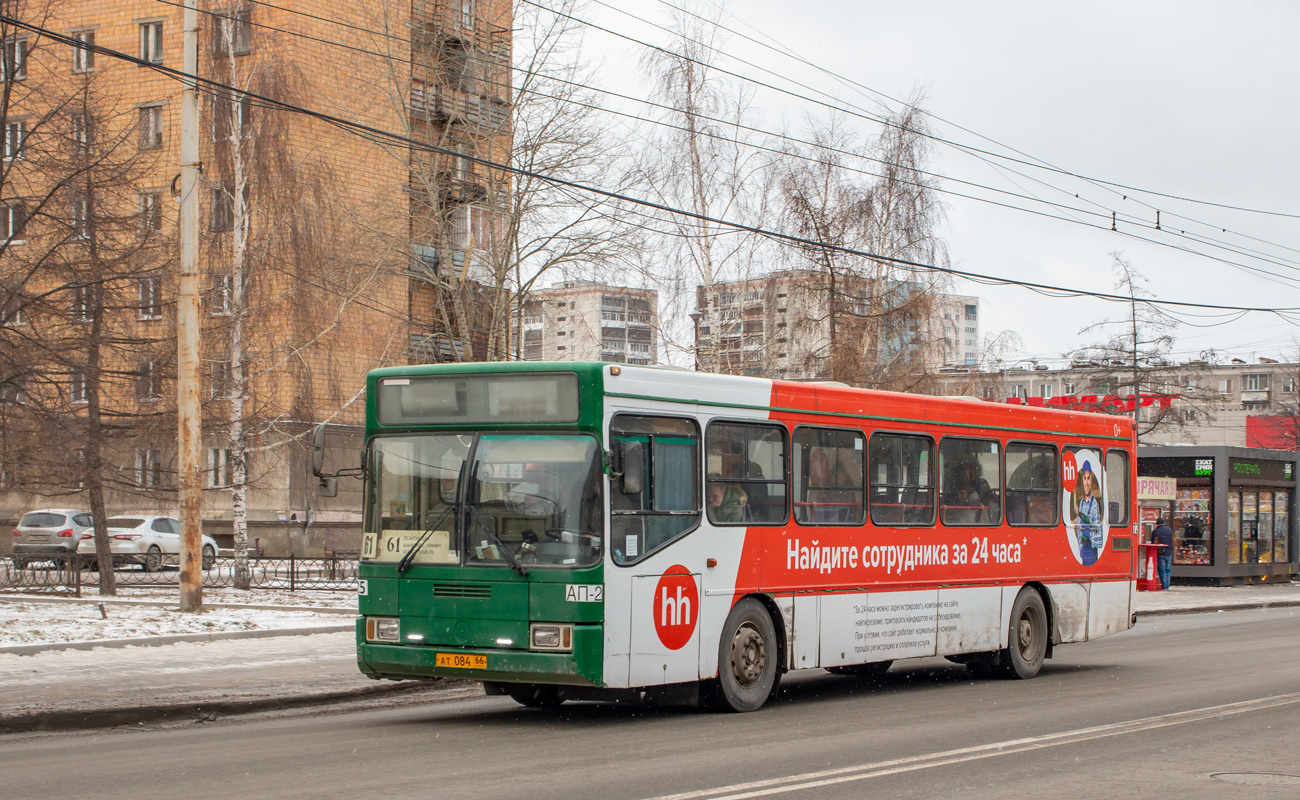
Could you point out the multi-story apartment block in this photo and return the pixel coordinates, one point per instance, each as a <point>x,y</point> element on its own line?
<point>324,253</point>
<point>1195,402</point>
<point>588,321</point>
<point>780,325</point>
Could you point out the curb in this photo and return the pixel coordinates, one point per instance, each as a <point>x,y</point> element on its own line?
<point>84,719</point>
<point>158,641</point>
<point>1165,612</point>
<point>117,601</point>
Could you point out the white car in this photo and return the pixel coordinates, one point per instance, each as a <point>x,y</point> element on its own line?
<point>149,541</point>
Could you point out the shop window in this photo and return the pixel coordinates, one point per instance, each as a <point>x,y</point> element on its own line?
<point>902,480</point>
<point>970,482</point>
<point>1192,524</point>
<point>828,476</point>
<point>668,505</point>
<point>746,470</point>
<point>1032,489</point>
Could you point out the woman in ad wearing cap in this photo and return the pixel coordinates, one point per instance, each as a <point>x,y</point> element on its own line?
<point>1085,512</point>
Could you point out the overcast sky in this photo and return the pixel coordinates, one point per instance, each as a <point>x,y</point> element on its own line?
<point>1185,98</point>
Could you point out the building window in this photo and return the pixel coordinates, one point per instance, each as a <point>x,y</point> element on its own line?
<point>233,33</point>
<point>1225,386</point>
<point>1070,387</point>
<point>1045,390</point>
<point>15,138</point>
<point>1288,384</point>
<point>220,468</point>
<point>81,140</point>
<point>1018,390</point>
<point>221,295</point>
<point>81,303</point>
<point>230,117</point>
<point>148,469</point>
<point>1255,382</point>
<point>83,57</point>
<point>151,42</point>
<point>150,212</point>
<point>11,313</point>
<point>1255,406</point>
<point>150,297</point>
<point>223,209</point>
<point>219,380</point>
<point>467,14</point>
<point>11,393</point>
<point>13,220</point>
<point>81,217</point>
<point>148,384</point>
<point>151,127</point>
<point>77,388</point>
<point>13,61</point>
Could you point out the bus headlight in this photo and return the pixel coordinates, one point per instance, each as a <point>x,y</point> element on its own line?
<point>382,629</point>
<point>551,637</point>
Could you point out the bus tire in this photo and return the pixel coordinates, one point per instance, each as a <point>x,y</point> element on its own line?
<point>1027,645</point>
<point>534,695</point>
<point>747,659</point>
<point>872,670</point>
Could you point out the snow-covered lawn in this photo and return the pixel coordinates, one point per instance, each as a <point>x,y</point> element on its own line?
<point>35,622</point>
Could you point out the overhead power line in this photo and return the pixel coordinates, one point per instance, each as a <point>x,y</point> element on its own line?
<point>377,134</point>
<point>1128,219</point>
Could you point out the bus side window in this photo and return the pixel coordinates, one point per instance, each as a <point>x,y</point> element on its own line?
<point>746,469</point>
<point>668,505</point>
<point>1117,488</point>
<point>902,479</point>
<point>1033,492</point>
<point>828,476</point>
<point>970,479</point>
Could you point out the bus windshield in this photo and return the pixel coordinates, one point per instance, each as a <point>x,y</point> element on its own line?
<point>536,496</point>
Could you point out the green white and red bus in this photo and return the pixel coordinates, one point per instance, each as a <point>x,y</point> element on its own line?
<point>567,531</point>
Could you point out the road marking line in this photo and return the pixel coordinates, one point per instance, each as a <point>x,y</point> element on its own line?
<point>813,780</point>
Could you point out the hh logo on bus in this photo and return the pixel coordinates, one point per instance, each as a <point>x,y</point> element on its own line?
<point>677,607</point>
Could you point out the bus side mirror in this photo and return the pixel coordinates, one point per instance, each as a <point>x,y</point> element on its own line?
<point>318,450</point>
<point>633,462</point>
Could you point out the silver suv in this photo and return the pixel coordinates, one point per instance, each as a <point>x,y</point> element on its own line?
<point>50,532</point>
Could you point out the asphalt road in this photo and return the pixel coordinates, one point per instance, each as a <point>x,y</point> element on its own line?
<point>1190,706</point>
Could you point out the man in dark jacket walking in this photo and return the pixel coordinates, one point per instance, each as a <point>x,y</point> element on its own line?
<point>1164,535</point>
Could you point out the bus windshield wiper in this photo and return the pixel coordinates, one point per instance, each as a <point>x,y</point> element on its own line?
<point>409,555</point>
<point>506,554</point>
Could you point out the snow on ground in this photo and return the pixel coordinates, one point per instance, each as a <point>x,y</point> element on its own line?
<point>35,622</point>
<point>254,597</point>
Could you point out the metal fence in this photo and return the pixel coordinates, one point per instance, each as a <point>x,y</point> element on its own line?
<point>67,574</point>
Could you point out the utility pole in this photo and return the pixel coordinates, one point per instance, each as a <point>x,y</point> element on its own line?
<point>187,330</point>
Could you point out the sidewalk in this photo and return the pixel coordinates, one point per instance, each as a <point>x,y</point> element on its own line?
<point>67,689</point>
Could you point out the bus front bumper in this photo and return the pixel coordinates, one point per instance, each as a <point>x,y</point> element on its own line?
<point>402,661</point>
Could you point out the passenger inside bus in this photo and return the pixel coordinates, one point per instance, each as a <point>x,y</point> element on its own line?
<point>727,502</point>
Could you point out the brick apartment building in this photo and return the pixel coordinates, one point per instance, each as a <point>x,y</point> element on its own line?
<point>324,253</point>
<point>589,321</point>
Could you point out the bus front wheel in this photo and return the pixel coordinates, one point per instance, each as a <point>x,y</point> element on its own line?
<point>535,696</point>
<point>747,659</point>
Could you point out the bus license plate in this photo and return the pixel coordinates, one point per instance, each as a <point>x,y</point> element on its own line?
<point>461,661</point>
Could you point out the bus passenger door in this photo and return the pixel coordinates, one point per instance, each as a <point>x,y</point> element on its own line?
<point>665,627</point>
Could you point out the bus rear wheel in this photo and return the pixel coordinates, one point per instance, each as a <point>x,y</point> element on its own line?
<point>1027,648</point>
<point>747,659</point>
